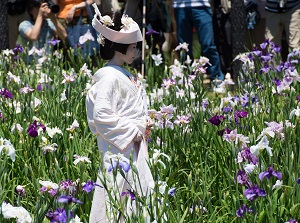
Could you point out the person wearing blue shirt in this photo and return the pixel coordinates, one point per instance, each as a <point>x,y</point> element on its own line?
<point>42,27</point>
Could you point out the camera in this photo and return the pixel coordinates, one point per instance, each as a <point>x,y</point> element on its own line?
<point>54,7</point>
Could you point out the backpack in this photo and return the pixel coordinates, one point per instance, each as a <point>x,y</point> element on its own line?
<point>16,7</point>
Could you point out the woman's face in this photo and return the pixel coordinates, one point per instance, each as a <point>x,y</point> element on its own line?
<point>130,53</point>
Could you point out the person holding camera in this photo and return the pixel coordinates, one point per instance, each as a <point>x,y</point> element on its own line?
<point>42,27</point>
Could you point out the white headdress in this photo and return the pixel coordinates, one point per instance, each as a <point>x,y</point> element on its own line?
<point>129,33</point>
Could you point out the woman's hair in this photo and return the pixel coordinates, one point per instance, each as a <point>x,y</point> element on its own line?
<point>108,50</point>
<point>33,4</point>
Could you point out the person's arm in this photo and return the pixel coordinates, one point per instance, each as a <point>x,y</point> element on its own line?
<point>60,30</point>
<point>34,33</point>
<point>119,131</point>
<point>79,6</point>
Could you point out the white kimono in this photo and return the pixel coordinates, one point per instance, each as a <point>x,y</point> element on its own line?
<point>116,113</point>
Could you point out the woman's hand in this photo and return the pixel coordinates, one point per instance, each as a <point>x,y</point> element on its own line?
<point>138,137</point>
<point>149,128</point>
<point>44,10</point>
<point>71,13</point>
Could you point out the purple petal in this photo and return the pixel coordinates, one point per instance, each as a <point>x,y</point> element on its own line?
<point>277,174</point>
<point>240,212</point>
<point>113,165</point>
<point>261,192</point>
<point>64,199</point>
<point>262,175</point>
<point>124,165</point>
<point>171,192</point>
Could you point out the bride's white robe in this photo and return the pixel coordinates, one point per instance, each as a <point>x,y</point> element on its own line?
<point>116,113</point>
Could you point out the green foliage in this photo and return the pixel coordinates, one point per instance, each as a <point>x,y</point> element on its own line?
<point>202,165</point>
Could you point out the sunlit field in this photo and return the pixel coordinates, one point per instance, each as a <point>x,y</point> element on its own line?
<point>231,157</point>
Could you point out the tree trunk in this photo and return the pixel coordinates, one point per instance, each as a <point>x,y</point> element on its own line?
<point>3,25</point>
<point>239,31</point>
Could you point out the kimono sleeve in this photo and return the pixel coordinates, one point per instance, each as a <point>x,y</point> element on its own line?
<point>117,130</point>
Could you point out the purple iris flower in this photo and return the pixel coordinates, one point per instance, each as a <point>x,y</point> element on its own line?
<point>266,58</point>
<point>216,120</point>
<point>20,190</point>
<point>113,165</point>
<point>242,178</point>
<point>52,192</point>
<point>242,210</point>
<point>68,185</point>
<point>67,199</point>
<point>227,109</point>
<point>240,114</point>
<point>254,192</point>
<point>89,186</point>
<point>53,42</point>
<point>250,56</point>
<point>226,131</point>
<point>236,98</point>
<point>130,193</point>
<point>39,87</point>
<point>18,49</point>
<point>264,44</point>
<point>64,185</point>
<point>45,86</point>
<point>59,215</point>
<point>151,31</point>
<point>33,129</point>
<point>276,81</point>
<point>248,156</point>
<point>264,69</point>
<point>256,52</point>
<point>276,48</point>
<point>289,65</point>
<point>43,189</point>
<point>270,172</point>
<point>123,164</point>
<point>171,192</point>
<point>280,67</point>
<point>298,181</point>
<point>204,104</point>
<point>294,61</point>
<point>298,97</point>
<point>292,221</point>
<point>6,93</point>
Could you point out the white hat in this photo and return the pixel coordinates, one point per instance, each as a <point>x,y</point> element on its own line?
<point>130,32</point>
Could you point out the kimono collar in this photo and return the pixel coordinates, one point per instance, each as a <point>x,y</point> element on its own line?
<point>122,73</point>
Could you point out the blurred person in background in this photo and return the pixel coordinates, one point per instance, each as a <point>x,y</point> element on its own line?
<point>222,32</point>
<point>42,27</point>
<point>69,14</point>
<point>70,11</point>
<point>198,14</point>
<point>283,15</point>
<point>257,35</point>
<point>16,14</point>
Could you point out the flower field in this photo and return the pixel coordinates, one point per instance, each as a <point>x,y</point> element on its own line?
<point>230,157</point>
